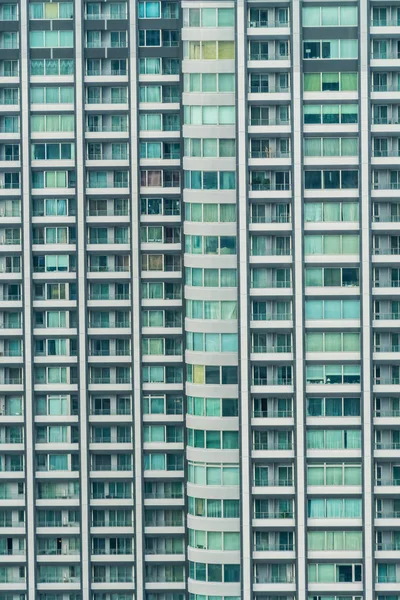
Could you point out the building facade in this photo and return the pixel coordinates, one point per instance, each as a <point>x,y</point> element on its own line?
<point>199,300</point>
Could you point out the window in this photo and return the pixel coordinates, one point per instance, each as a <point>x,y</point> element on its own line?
<point>333,407</point>
<point>333,342</point>
<point>333,374</point>
<point>211,309</point>
<point>328,146</point>
<point>327,49</point>
<point>52,67</point>
<point>212,375</point>
<point>315,114</point>
<point>214,572</point>
<point>332,276</point>
<point>149,37</point>
<point>212,407</point>
<point>334,439</point>
<point>213,509</point>
<point>330,180</point>
<point>210,147</point>
<point>209,50</point>
<point>196,277</point>
<point>210,180</point>
<point>335,508</point>
<point>51,10</point>
<point>331,82</point>
<point>149,10</point>
<point>9,12</point>
<point>209,115</point>
<point>208,17</point>
<point>226,440</point>
<point>150,149</point>
<point>214,540</point>
<point>210,244</point>
<point>52,123</point>
<point>332,474</point>
<point>53,151</point>
<point>315,212</point>
<point>331,244</point>
<point>51,39</point>
<point>327,572</point>
<point>52,95</point>
<point>53,179</point>
<point>210,213</point>
<point>332,309</point>
<point>213,474</point>
<point>209,82</point>
<point>212,342</point>
<point>330,16</point>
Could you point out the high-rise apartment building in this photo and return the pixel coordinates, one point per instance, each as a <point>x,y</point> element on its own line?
<point>199,300</point>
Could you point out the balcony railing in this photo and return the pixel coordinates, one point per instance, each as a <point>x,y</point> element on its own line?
<point>107,212</point>
<point>271,218</point>
<point>387,348</point>
<point>267,153</point>
<point>389,514</point>
<point>384,55</point>
<point>385,88</point>
<point>277,187</point>
<point>268,56</point>
<point>166,495</point>
<point>11,523</point>
<point>107,269</point>
<point>57,552</point>
<point>105,16</point>
<point>385,153</point>
<point>254,121</point>
<point>266,88</point>
<point>112,579</point>
<point>387,546</point>
<point>265,482</point>
<point>102,72</point>
<point>57,579</point>
<point>105,439</point>
<point>13,381</point>
<point>273,414</point>
<point>106,129</point>
<point>164,523</point>
<point>389,481</point>
<point>274,515</point>
<point>272,446</point>
<point>273,579</point>
<point>262,23</point>
<point>118,468</point>
<point>385,284</point>
<point>386,380</point>
<point>273,547</point>
<point>107,45</point>
<point>272,381</point>
<point>108,523</point>
<point>387,413</point>
<point>385,251</point>
<point>264,349</point>
<point>385,22</point>
<point>387,445</point>
<point>386,185</point>
<point>385,120</point>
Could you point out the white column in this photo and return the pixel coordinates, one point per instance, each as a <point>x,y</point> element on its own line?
<point>298,299</point>
<point>81,285</point>
<point>245,399</point>
<point>135,304</point>
<point>365,212</point>
<point>27,304</point>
